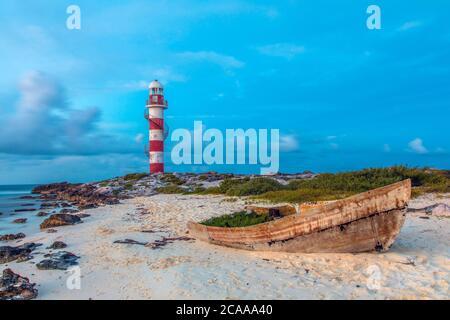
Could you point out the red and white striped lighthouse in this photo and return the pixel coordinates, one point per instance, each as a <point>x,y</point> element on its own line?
<point>155,115</point>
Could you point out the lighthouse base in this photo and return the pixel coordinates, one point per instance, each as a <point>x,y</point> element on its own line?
<point>157,168</point>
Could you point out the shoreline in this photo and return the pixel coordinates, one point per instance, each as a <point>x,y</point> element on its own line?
<point>416,267</point>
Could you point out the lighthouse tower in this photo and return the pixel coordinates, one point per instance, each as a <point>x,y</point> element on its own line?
<point>155,116</point>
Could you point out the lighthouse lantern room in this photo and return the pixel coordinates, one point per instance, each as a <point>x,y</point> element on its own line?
<point>154,113</point>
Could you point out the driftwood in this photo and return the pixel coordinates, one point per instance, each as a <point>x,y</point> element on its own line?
<point>364,222</point>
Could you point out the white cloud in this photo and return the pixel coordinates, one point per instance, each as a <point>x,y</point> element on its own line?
<point>283,50</point>
<point>410,25</point>
<point>43,123</point>
<point>224,61</point>
<point>289,143</point>
<point>417,146</point>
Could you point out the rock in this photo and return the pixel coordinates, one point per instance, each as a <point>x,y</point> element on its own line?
<point>24,210</point>
<point>21,220</point>
<point>8,254</point>
<point>51,231</point>
<point>57,245</point>
<point>83,215</point>
<point>60,219</point>
<point>61,260</point>
<point>68,211</point>
<point>42,214</point>
<point>84,196</point>
<point>9,237</point>
<point>27,205</point>
<point>157,244</point>
<point>16,287</point>
<point>49,205</point>
<point>27,197</point>
<point>130,241</point>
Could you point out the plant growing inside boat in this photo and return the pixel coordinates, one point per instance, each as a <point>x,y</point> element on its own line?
<point>237,219</point>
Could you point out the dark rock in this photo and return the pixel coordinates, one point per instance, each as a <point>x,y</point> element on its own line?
<point>84,196</point>
<point>8,254</point>
<point>65,205</point>
<point>9,237</point>
<point>60,219</point>
<point>42,214</point>
<point>157,244</point>
<point>58,261</point>
<point>51,231</point>
<point>21,220</point>
<point>49,205</point>
<point>130,241</point>
<point>27,205</point>
<point>16,287</point>
<point>27,197</point>
<point>68,211</point>
<point>24,210</point>
<point>57,245</point>
<point>83,215</point>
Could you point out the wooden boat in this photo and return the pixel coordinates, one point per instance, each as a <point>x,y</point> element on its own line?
<point>364,222</point>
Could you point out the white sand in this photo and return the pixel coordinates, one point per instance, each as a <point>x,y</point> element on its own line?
<point>417,266</point>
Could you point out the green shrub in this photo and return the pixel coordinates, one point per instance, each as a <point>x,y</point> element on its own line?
<point>170,189</point>
<point>237,219</point>
<point>128,186</point>
<point>248,187</point>
<point>334,186</point>
<point>171,178</point>
<point>134,176</point>
<point>303,195</point>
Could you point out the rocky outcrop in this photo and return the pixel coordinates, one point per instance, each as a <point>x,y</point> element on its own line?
<point>16,287</point>
<point>60,219</point>
<point>9,237</point>
<point>57,245</point>
<point>22,253</point>
<point>20,221</point>
<point>24,210</point>
<point>84,196</point>
<point>61,260</point>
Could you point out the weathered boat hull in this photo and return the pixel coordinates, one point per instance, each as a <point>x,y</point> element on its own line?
<point>365,222</point>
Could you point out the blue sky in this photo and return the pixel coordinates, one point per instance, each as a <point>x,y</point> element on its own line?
<point>344,97</point>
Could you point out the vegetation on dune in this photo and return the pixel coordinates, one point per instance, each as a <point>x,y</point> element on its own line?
<point>335,186</point>
<point>303,195</point>
<point>248,187</point>
<point>323,187</point>
<point>237,219</point>
<point>134,176</point>
<point>171,178</point>
<point>171,189</point>
<point>341,185</point>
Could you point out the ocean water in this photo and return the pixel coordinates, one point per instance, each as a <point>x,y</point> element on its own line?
<point>10,200</point>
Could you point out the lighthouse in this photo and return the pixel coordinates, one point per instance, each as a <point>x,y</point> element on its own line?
<point>154,113</point>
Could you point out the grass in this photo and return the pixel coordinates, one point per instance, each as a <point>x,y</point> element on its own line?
<point>237,219</point>
<point>341,185</point>
<point>248,187</point>
<point>334,186</point>
<point>171,189</point>
<point>128,186</point>
<point>171,178</point>
<point>134,176</point>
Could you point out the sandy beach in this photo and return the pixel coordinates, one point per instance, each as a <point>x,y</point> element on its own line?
<point>416,267</point>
